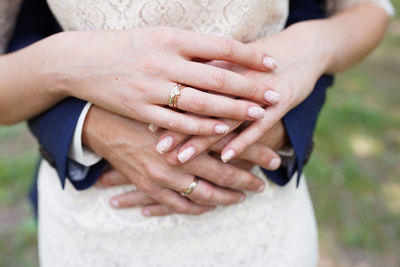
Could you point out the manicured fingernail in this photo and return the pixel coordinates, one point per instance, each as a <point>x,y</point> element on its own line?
<point>270,63</point>
<point>274,163</point>
<point>153,128</point>
<point>165,144</point>
<point>221,129</point>
<point>146,213</point>
<point>186,154</point>
<point>228,155</point>
<point>272,96</point>
<point>242,198</point>
<point>261,188</point>
<point>256,112</point>
<point>115,203</point>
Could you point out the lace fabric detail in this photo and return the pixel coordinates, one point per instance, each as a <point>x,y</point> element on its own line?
<point>79,228</point>
<point>244,20</point>
<point>8,13</point>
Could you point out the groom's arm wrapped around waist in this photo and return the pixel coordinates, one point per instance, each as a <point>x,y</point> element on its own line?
<point>54,130</point>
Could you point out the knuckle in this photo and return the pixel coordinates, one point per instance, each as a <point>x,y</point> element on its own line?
<point>257,91</point>
<point>264,155</point>
<point>198,129</point>
<point>239,112</point>
<point>167,38</point>
<point>204,142</point>
<point>227,177</point>
<point>245,143</point>
<point>151,66</point>
<point>147,188</point>
<point>256,57</point>
<point>226,47</point>
<point>198,104</point>
<point>173,124</point>
<point>251,181</point>
<point>253,91</point>
<point>208,196</point>
<point>181,208</point>
<point>218,79</point>
<point>158,176</point>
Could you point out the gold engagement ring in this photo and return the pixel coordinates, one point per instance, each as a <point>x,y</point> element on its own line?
<point>174,95</point>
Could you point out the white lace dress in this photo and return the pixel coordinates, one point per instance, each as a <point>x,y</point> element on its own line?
<point>274,228</point>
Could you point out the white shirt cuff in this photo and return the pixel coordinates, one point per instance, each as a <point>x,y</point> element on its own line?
<point>77,152</point>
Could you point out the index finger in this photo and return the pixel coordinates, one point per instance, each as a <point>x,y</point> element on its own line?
<point>211,47</point>
<point>251,134</point>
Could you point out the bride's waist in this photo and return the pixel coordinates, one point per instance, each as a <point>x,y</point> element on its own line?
<point>94,202</point>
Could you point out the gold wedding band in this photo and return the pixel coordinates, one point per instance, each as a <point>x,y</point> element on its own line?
<point>191,187</point>
<point>175,94</point>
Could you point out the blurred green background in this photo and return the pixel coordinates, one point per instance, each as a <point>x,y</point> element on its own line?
<point>353,175</point>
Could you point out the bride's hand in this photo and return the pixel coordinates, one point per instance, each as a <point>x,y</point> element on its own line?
<point>259,153</point>
<point>132,73</point>
<point>300,67</point>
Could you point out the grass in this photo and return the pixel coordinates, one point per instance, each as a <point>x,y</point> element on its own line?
<point>354,171</point>
<point>17,228</point>
<point>353,174</point>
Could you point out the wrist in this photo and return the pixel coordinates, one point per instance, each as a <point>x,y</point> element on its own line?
<point>91,134</point>
<point>54,63</point>
<point>318,48</point>
<point>87,129</point>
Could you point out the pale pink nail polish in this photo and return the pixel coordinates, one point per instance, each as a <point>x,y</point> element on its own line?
<point>165,144</point>
<point>115,203</point>
<point>186,154</point>
<point>228,155</point>
<point>274,163</point>
<point>221,129</point>
<point>272,96</point>
<point>261,188</point>
<point>270,63</point>
<point>242,198</point>
<point>256,112</point>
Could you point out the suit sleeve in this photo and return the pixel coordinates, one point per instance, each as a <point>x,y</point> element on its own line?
<point>54,128</point>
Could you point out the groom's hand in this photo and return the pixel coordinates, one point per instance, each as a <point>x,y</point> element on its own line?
<point>257,154</point>
<point>129,147</point>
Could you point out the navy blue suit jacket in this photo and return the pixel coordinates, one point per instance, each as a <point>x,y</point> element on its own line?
<point>54,128</point>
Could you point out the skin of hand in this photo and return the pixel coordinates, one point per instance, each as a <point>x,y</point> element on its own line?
<point>129,147</point>
<point>257,154</point>
<point>132,74</point>
<point>294,80</point>
<point>305,51</point>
